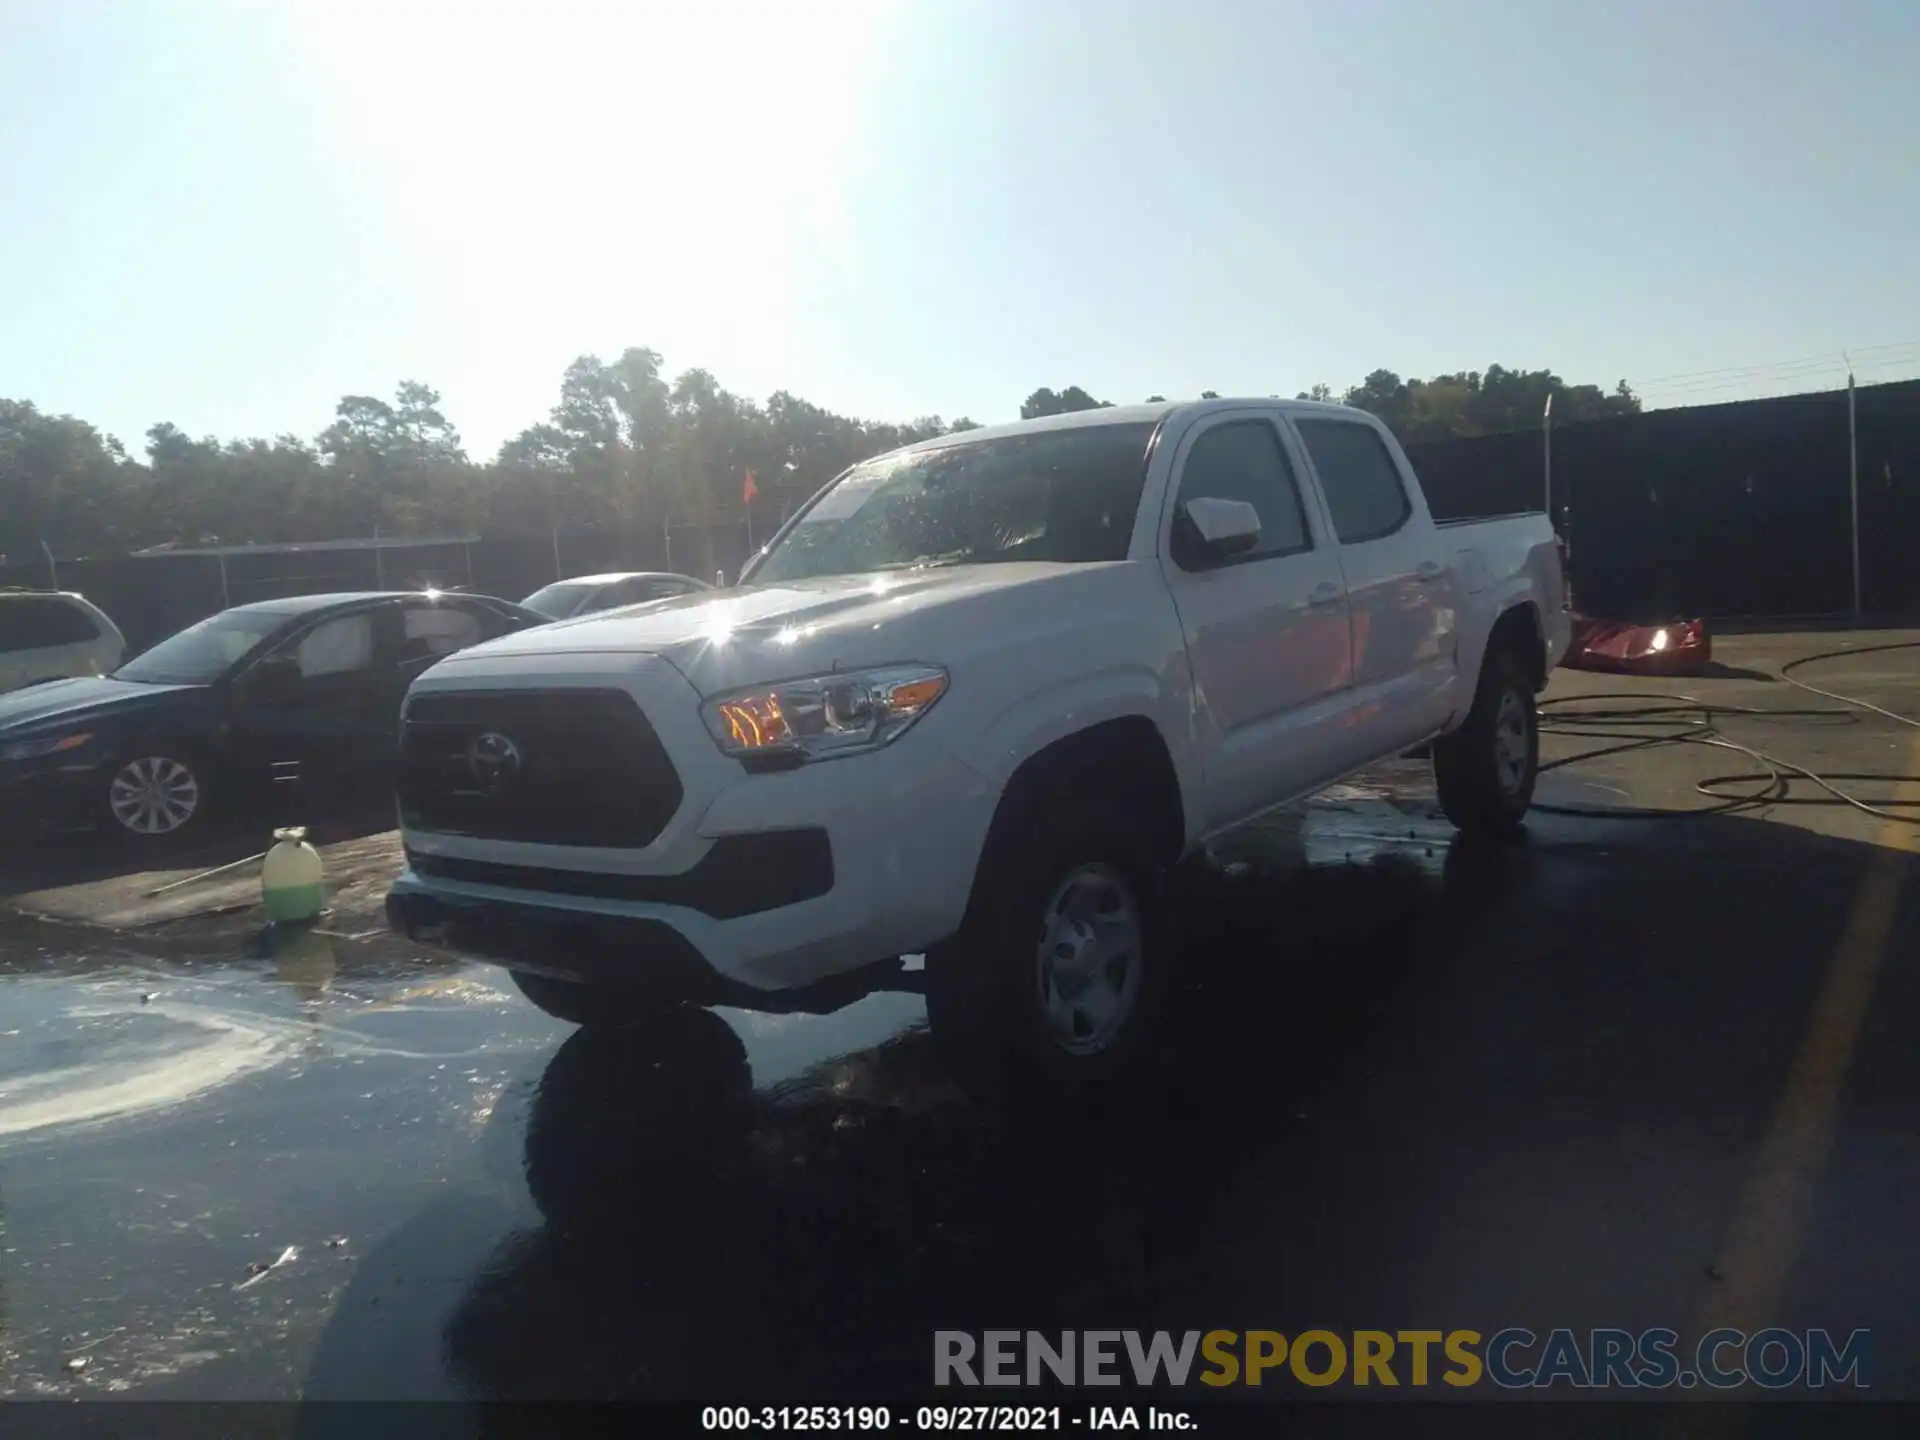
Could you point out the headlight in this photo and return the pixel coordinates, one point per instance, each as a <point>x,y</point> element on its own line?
<point>823,716</point>
<point>46,745</point>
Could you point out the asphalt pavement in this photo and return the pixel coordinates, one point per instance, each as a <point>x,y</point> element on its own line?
<point>1630,1073</point>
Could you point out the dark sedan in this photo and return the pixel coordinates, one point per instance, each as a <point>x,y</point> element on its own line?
<point>307,688</point>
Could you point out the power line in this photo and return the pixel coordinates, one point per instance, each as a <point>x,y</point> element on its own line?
<point>1809,372</point>
<point>1836,367</point>
<point>1780,366</point>
<point>1730,369</point>
<point>1754,372</point>
<point>1750,382</point>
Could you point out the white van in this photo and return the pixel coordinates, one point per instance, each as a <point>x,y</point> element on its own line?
<point>51,635</point>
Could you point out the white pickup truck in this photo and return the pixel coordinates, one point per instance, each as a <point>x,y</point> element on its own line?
<point>975,701</point>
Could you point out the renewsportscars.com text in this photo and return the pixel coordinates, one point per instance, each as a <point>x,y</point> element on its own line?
<point>1514,1358</point>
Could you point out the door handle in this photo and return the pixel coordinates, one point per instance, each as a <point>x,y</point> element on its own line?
<point>1325,596</point>
<point>1429,571</point>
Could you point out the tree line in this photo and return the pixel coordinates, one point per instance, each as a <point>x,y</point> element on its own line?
<point>1447,407</point>
<point>623,445</point>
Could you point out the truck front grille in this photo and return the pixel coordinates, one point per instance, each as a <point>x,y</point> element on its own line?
<point>550,767</point>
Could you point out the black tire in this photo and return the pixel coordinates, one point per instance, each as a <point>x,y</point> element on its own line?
<point>172,776</point>
<point>1485,773</point>
<point>988,989</point>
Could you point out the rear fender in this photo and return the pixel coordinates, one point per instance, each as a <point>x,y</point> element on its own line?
<point>1511,608</point>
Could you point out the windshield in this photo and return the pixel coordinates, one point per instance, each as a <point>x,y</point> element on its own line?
<point>560,600</point>
<point>1060,495</point>
<point>201,654</point>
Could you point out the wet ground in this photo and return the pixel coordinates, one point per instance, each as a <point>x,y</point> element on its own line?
<point>1630,1073</point>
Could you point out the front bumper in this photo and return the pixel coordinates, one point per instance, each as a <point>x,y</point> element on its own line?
<point>621,952</point>
<point>49,795</point>
<point>764,883</point>
<point>548,940</point>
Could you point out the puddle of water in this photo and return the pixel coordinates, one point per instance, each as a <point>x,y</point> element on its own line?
<point>92,1039</point>
<point>784,1047</point>
<point>86,1054</point>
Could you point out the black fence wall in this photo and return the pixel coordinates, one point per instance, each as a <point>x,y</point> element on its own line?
<point>152,596</point>
<point>1722,510</point>
<point>1725,510</point>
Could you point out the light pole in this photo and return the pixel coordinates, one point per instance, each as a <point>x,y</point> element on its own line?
<point>1853,484</point>
<point>1546,439</point>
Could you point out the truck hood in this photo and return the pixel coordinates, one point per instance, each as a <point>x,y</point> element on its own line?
<point>60,702</point>
<point>720,639</point>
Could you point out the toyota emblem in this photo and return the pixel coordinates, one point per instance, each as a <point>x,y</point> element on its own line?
<point>494,759</point>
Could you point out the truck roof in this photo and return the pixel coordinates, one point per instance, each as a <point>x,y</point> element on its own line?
<point>1151,414</point>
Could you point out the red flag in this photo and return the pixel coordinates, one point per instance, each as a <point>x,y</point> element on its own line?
<point>748,490</point>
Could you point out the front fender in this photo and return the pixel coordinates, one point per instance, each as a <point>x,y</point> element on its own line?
<point>1026,724</point>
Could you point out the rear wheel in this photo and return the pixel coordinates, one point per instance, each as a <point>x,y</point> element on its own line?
<point>155,792</point>
<point>1485,771</point>
<point>1057,972</point>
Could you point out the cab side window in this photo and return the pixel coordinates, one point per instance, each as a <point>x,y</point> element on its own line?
<point>1243,460</point>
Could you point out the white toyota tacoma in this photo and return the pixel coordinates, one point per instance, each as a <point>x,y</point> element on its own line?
<point>975,701</point>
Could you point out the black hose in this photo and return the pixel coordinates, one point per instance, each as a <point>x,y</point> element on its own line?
<point>1673,719</point>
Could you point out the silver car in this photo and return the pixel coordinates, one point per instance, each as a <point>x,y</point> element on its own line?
<point>585,594</point>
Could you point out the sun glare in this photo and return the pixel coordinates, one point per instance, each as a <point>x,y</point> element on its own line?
<point>669,171</point>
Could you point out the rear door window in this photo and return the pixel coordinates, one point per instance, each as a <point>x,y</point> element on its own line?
<point>431,631</point>
<point>1364,492</point>
<point>493,623</point>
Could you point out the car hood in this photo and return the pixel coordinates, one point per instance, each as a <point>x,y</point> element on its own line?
<point>722,638</point>
<point>61,701</point>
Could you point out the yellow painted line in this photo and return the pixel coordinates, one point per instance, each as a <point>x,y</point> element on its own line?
<point>1764,1241</point>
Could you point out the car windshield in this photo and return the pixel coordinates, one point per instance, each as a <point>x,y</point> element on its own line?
<point>1059,495</point>
<point>201,654</point>
<point>559,600</point>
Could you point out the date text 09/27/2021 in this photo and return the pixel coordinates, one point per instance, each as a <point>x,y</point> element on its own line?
<point>939,1418</point>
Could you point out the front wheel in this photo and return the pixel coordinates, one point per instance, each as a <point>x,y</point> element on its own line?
<point>155,793</point>
<point>1057,972</point>
<point>1485,771</point>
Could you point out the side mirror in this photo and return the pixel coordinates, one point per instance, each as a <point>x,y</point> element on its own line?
<point>1223,528</point>
<point>274,680</point>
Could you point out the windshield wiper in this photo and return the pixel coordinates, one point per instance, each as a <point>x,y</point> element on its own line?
<point>926,562</point>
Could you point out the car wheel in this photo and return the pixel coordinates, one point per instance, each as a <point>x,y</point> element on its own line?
<point>154,794</point>
<point>1485,771</point>
<point>1059,969</point>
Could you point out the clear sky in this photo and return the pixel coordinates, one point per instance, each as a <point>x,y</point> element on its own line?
<point>228,215</point>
